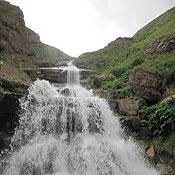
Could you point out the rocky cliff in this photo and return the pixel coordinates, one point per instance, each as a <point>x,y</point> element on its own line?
<point>15,37</point>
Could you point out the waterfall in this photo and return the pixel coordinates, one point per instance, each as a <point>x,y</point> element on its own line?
<point>70,132</point>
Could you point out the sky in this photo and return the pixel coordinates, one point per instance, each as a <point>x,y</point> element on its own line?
<point>79,26</point>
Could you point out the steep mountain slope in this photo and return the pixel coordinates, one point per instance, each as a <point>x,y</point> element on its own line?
<point>15,37</point>
<point>21,48</point>
<point>143,65</point>
<point>126,53</point>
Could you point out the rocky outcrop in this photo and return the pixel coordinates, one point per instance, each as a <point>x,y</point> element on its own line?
<point>119,42</point>
<point>162,45</point>
<point>11,85</point>
<point>13,34</point>
<point>107,94</point>
<point>15,37</point>
<point>146,84</point>
<point>99,79</point>
<point>129,107</point>
<point>9,109</point>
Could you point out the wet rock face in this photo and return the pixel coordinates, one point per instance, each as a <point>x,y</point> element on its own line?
<point>162,45</point>
<point>107,94</point>
<point>9,108</point>
<point>130,123</point>
<point>146,84</point>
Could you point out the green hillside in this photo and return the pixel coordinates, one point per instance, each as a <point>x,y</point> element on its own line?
<point>122,58</point>
<point>49,54</point>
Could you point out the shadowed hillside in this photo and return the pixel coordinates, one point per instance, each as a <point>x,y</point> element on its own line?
<point>21,48</point>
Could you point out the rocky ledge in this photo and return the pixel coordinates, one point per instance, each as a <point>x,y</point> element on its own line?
<point>146,85</point>
<point>162,45</point>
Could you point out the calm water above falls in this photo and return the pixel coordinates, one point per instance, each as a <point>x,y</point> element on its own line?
<point>70,132</point>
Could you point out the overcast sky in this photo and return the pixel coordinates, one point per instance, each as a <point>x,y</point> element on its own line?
<point>78,26</point>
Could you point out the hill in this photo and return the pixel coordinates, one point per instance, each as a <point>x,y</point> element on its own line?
<point>21,48</point>
<point>150,52</point>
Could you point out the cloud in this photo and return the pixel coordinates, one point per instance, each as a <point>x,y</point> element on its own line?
<point>77,26</point>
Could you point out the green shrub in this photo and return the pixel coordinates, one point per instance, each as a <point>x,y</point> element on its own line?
<point>2,89</point>
<point>171,140</point>
<point>137,62</point>
<point>118,83</point>
<point>20,90</point>
<point>160,118</point>
<point>126,92</point>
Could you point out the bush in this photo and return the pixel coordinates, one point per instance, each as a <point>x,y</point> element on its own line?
<point>115,84</point>
<point>160,118</point>
<point>126,92</point>
<point>20,90</point>
<point>137,62</point>
<point>2,89</point>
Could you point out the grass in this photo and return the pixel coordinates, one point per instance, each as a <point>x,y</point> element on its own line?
<point>125,58</point>
<point>11,69</point>
<point>48,53</point>
<point>17,60</point>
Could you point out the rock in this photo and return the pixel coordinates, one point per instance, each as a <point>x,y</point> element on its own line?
<point>165,169</point>
<point>150,151</point>
<point>16,38</point>
<point>11,85</point>
<point>107,94</point>
<point>162,45</point>
<point>113,104</point>
<point>9,108</point>
<point>119,42</point>
<point>146,84</point>
<point>143,144</point>
<point>131,123</point>
<point>110,95</point>
<point>129,106</point>
<point>12,29</point>
<point>99,79</point>
<point>65,92</point>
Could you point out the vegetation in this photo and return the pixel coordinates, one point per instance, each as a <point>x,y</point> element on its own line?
<point>11,70</point>
<point>159,118</point>
<point>17,60</point>
<point>120,59</point>
<point>2,89</point>
<point>47,53</point>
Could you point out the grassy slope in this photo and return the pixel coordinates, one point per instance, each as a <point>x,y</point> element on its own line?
<point>110,60</point>
<point>50,54</point>
<point>11,69</point>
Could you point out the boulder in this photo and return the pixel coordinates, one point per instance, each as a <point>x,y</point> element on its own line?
<point>99,79</point>
<point>107,94</point>
<point>110,95</point>
<point>131,123</point>
<point>129,107</point>
<point>146,84</point>
<point>9,110</point>
<point>150,151</point>
<point>65,92</point>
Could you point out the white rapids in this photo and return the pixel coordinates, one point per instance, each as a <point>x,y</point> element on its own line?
<point>70,132</point>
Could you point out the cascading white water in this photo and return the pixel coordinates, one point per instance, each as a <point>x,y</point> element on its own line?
<point>73,76</point>
<point>70,132</point>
